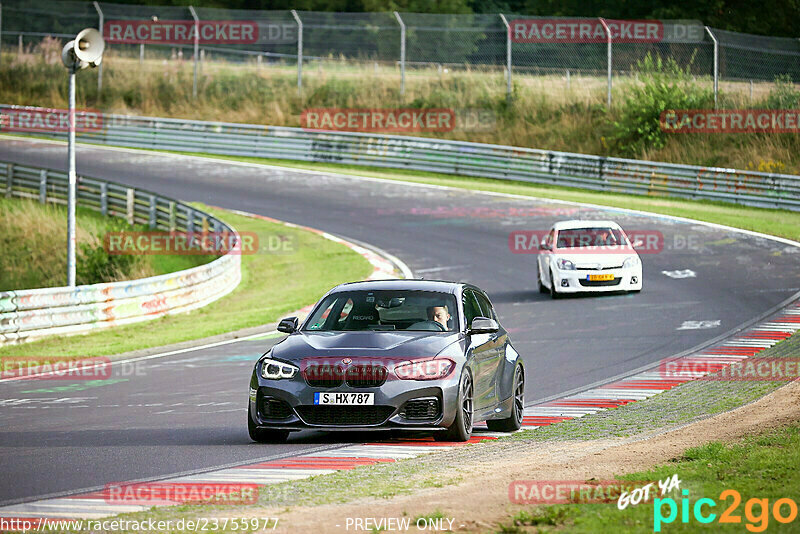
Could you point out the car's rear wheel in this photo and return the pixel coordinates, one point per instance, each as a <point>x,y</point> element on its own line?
<point>264,435</point>
<point>514,421</point>
<point>461,429</point>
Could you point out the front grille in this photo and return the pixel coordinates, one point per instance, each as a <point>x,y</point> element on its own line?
<point>272,408</point>
<point>366,376</point>
<point>600,283</point>
<point>426,408</point>
<point>599,269</point>
<point>344,415</point>
<point>324,375</point>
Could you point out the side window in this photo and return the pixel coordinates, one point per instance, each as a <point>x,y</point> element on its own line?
<point>471,307</point>
<point>486,307</point>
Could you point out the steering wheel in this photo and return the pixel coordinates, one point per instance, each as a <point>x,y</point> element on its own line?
<point>426,325</point>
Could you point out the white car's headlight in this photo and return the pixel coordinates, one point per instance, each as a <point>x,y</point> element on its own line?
<point>275,370</point>
<point>565,265</point>
<point>631,261</point>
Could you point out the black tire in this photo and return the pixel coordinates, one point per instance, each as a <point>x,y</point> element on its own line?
<point>514,421</point>
<point>461,429</point>
<point>264,435</point>
<point>553,291</point>
<point>542,289</point>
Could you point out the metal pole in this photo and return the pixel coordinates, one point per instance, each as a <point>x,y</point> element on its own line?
<point>1,32</point>
<point>72,181</point>
<point>508,57</point>
<point>299,51</point>
<point>608,33</point>
<point>402,53</point>
<point>141,53</point>
<point>716,64</point>
<point>196,49</point>
<point>99,67</point>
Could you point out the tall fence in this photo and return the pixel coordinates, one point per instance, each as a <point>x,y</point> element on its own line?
<point>33,313</point>
<point>451,157</point>
<point>398,44</point>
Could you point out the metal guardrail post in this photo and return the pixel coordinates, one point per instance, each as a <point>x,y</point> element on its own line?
<point>9,179</point>
<point>508,57</point>
<point>43,186</point>
<point>189,220</point>
<point>151,213</point>
<point>716,64</point>
<point>130,205</point>
<point>196,49</point>
<point>299,51</point>
<point>608,33</point>
<point>141,54</point>
<point>172,217</point>
<point>402,53</point>
<point>104,198</point>
<point>100,66</point>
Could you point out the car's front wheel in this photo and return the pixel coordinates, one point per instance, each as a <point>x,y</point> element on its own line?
<point>553,291</point>
<point>461,429</point>
<point>264,435</point>
<point>542,288</point>
<point>514,421</point>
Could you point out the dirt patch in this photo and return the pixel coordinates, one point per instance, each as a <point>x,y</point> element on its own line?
<point>481,500</point>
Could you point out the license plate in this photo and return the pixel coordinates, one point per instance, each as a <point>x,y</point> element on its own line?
<point>348,399</point>
<point>600,277</point>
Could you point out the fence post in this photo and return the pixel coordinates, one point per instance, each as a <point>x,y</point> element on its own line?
<point>402,53</point>
<point>43,186</point>
<point>9,179</point>
<point>299,51</point>
<point>189,220</point>
<point>508,57</point>
<point>716,64</point>
<point>152,212</point>
<point>100,66</point>
<point>172,216</point>
<point>196,49</point>
<point>141,54</point>
<point>104,198</point>
<point>130,205</point>
<point>608,33</point>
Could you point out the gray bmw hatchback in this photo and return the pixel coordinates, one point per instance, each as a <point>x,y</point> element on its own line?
<point>390,354</point>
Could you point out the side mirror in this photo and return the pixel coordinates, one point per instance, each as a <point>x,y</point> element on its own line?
<point>483,325</point>
<point>545,246</point>
<point>288,325</point>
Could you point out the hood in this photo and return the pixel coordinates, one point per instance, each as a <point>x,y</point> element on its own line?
<point>363,344</point>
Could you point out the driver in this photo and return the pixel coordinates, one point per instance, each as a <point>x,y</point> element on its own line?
<point>440,314</point>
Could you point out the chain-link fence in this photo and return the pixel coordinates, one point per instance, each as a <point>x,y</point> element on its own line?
<point>561,52</point>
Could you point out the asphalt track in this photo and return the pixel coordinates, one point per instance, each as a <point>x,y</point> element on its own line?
<point>187,412</point>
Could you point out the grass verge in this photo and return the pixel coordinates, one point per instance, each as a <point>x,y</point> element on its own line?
<point>33,236</point>
<point>761,467</point>
<point>272,284</point>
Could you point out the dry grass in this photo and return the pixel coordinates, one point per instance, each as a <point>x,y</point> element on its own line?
<point>545,112</point>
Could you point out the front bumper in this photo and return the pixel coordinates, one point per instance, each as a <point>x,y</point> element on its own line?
<point>577,281</point>
<point>294,409</point>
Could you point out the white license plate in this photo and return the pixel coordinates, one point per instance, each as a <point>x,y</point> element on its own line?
<point>353,399</point>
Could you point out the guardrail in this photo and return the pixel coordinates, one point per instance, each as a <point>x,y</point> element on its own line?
<point>33,313</point>
<point>451,157</point>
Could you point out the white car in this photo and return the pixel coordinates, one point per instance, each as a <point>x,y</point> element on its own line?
<point>588,256</point>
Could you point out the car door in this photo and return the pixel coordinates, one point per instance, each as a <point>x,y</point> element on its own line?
<point>495,351</point>
<point>481,348</point>
<point>544,256</point>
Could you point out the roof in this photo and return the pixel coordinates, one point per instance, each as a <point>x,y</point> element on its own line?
<point>441,286</point>
<point>577,223</point>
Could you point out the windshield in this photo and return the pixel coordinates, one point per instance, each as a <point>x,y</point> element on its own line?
<point>590,237</point>
<point>385,310</point>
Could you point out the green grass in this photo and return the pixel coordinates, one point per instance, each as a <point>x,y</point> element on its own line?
<point>33,241</point>
<point>762,466</point>
<point>273,284</point>
<point>781,223</point>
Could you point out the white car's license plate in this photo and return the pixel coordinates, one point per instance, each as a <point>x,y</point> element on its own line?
<point>355,399</point>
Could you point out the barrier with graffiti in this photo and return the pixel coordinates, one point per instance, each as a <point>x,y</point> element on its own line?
<point>33,313</point>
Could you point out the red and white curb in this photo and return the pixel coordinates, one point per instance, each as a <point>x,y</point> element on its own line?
<point>611,395</point>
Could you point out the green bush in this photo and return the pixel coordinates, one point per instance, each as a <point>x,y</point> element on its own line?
<point>663,86</point>
<point>95,264</point>
<point>783,95</point>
